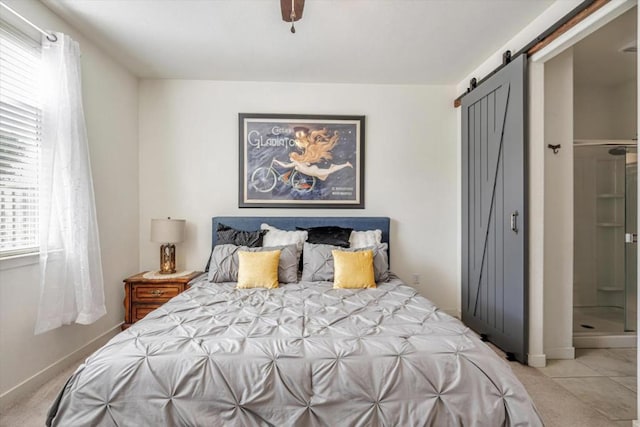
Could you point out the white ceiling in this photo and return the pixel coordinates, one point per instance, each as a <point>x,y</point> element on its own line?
<point>344,41</point>
<point>598,60</point>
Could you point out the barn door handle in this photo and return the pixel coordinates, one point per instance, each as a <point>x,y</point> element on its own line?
<point>514,222</point>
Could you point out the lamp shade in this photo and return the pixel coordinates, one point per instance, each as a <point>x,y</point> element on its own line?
<point>167,230</point>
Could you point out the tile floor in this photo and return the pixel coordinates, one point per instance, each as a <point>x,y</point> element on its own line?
<point>604,379</point>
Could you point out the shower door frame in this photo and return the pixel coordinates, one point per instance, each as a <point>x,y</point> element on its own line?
<point>587,339</point>
<point>631,243</point>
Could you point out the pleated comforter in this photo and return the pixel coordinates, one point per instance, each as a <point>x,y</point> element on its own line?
<point>300,355</point>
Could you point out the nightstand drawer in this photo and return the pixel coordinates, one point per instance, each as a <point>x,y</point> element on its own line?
<point>155,292</point>
<point>143,295</point>
<point>139,311</point>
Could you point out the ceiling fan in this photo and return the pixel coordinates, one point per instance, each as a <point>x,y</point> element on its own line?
<point>291,11</point>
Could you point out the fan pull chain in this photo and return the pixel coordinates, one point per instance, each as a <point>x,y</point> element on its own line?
<point>293,16</point>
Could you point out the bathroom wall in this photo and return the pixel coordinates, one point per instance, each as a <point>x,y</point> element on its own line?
<point>606,112</point>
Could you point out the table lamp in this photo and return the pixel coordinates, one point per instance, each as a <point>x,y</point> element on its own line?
<point>167,231</point>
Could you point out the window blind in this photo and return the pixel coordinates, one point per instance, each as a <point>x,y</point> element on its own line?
<point>20,135</point>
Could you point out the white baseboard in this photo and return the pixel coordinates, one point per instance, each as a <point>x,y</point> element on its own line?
<point>30,385</point>
<point>537,360</point>
<point>560,353</point>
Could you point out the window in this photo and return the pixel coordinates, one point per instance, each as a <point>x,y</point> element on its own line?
<point>20,123</point>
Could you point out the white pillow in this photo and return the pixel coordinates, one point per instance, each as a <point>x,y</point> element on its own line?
<point>276,237</point>
<point>364,239</point>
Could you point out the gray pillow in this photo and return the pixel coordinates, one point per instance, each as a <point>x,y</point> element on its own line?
<point>288,264</point>
<point>224,262</point>
<point>317,264</point>
<point>380,261</point>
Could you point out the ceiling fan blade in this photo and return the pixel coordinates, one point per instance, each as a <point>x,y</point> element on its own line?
<point>285,7</point>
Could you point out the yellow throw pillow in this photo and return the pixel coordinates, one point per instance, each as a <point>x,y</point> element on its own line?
<point>258,269</point>
<point>353,270</point>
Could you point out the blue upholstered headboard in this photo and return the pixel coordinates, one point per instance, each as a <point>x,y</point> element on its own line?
<point>252,223</point>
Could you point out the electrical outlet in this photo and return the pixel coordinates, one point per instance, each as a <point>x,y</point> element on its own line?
<point>416,279</point>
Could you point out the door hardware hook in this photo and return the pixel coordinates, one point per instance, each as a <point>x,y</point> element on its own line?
<point>555,148</point>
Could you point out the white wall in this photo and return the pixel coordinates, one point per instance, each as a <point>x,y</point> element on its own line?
<point>594,117</point>
<point>558,207</point>
<point>111,109</point>
<point>625,122</point>
<point>536,27</point>
<point>606,112</point>
<point>189,165</point>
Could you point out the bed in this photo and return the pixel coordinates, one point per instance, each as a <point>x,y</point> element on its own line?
<point>303,354</point>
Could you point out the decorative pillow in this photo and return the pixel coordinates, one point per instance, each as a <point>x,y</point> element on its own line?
<point>230,236</point>
<point>353,270</point>
<point>328,235</point>
<point>365,239</point>
<point>224,263</point>
<point>380,261</point>
<point>258,269</point>
<point>289,261</point>
<point>277,237</point>
<point>318,262</point>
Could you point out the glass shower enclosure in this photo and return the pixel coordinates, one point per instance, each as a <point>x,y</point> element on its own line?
<point>605,237</point>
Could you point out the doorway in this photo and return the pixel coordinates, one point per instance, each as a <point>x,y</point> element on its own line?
<point>550,254</point>
<point>605,185</point>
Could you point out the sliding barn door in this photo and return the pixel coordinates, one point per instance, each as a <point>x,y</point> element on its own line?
<point>494,291</point>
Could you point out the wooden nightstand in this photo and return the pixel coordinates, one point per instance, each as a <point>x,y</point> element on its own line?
<point>142,296</point>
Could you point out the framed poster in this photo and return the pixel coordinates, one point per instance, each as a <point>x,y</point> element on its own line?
<point>301,161</point>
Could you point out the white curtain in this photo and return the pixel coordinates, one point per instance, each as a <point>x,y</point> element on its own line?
<point>71,282</point>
